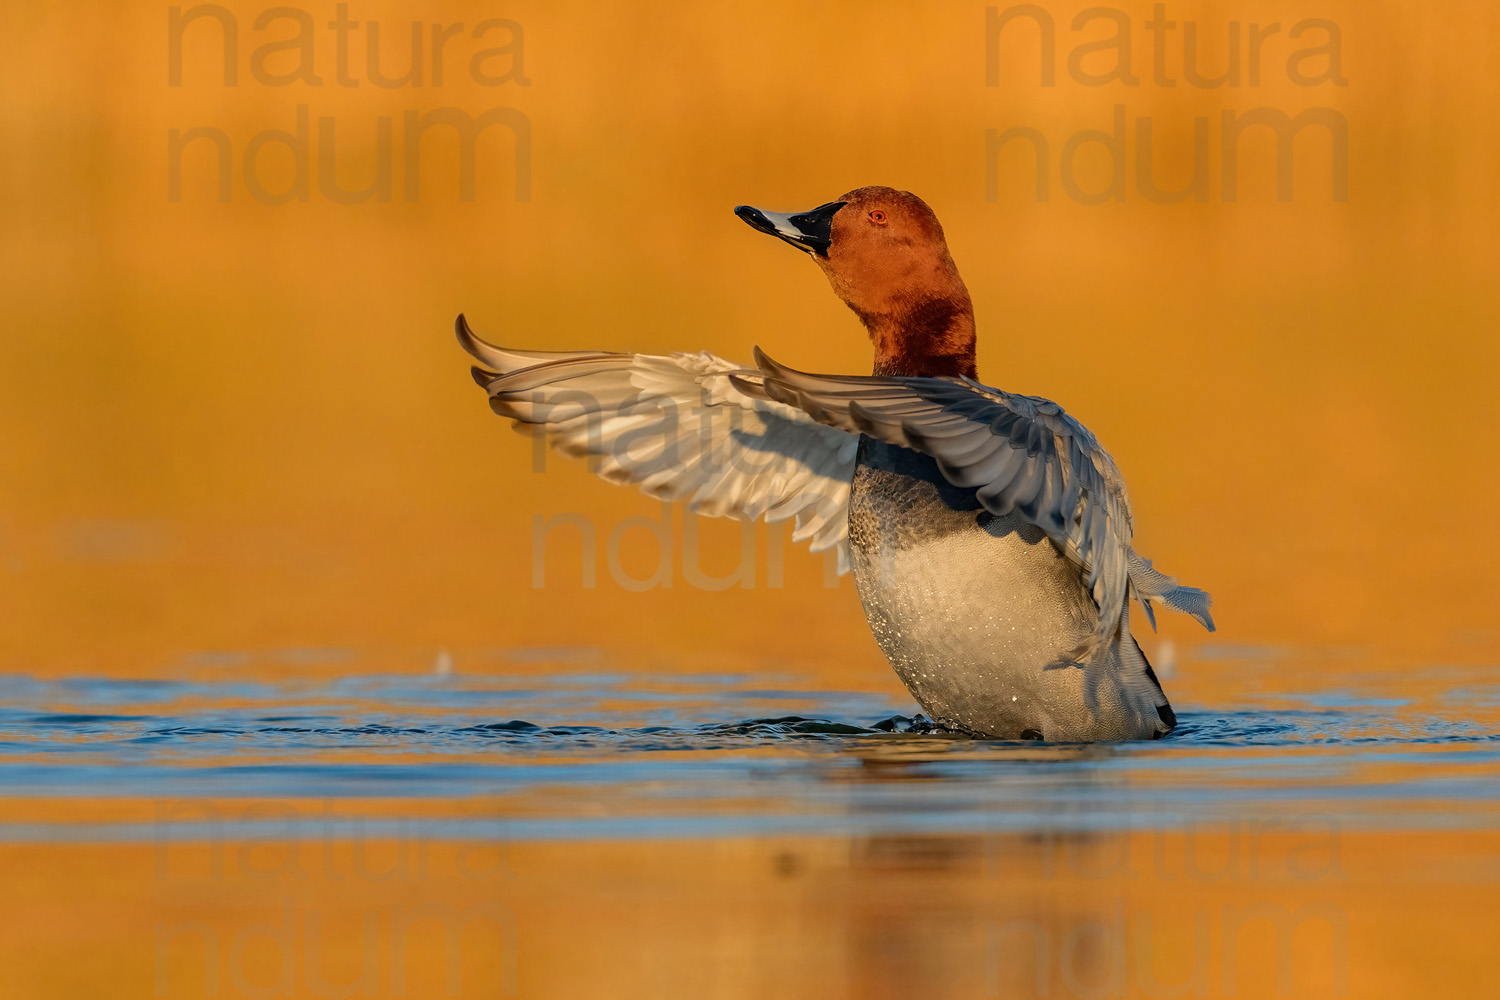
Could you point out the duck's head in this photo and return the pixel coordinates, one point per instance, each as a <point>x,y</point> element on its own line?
<point>884,253</point>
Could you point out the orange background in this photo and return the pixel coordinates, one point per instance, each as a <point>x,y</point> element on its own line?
<point>245,426</point>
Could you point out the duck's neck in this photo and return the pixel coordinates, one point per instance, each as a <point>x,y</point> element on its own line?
<point>929,337</point>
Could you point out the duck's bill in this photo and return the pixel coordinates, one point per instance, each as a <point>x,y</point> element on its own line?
<point>811,231</point>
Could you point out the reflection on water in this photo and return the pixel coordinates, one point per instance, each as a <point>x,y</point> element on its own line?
<point>519,835</point>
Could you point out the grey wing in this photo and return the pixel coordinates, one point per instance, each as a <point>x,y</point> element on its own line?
<point>680,429</point>
<point>1021,454</point>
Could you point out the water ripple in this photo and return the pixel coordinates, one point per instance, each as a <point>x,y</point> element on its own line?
<point>609,755</point>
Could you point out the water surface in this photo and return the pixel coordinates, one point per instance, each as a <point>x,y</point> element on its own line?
<point>607,755</point>
<point>547,826</point>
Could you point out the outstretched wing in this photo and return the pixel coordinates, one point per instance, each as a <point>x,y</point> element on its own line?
<point>1022,454</point>
<point>679,428</point>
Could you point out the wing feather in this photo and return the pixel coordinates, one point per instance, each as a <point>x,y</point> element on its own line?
<point>686,427</point>
<point>1021,454</point>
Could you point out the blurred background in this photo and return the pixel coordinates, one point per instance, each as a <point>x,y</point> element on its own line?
<point>239,428</point>
<point>238,425</point>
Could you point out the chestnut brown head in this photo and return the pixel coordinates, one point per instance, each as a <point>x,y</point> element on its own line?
<point>884,253</point>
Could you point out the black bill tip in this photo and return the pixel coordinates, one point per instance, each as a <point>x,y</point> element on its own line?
<point>755,218</point>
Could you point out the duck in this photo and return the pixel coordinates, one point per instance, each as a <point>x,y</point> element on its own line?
<point>988,532</point>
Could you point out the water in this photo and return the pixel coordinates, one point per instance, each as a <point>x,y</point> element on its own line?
<point>612,755</point>
<point>535,823</point>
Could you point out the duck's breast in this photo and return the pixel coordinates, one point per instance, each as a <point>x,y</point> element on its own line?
<point>977,613</point>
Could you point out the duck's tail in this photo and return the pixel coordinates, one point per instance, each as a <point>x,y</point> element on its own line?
<point>1153,585</point>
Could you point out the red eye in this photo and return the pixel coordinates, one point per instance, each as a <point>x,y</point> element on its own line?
<point>877,216</point>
